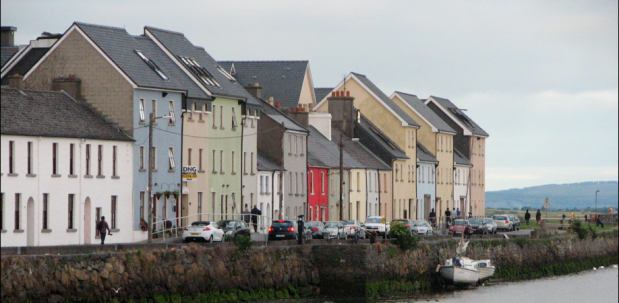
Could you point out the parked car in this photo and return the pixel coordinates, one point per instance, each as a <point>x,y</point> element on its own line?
<point>353,228</point>
<point>492,228</point>
<point>422,227</point>
<point>458,226</point>
<point>283,229</point>
<point>407,223</point>
<point>503,222</point>
<point>318,229</point>
<point>234,227</point>
<point>203,231</point>
<point>377,224</point>
<point>479,227</point>
<point>515,222</point>
<point>335,229</point>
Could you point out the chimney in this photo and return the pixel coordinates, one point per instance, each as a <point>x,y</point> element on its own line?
<point>71,85</point>
<point>343,112</point>
<point>254,89</point>
<point>272,101</point>
<point>299,115</point>
<point>8,36</point>
<point>16,81</point>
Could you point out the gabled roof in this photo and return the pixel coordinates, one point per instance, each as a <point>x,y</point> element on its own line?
<point>377,142</point>
<point>6,53</point>
<point>460,159</point>
<point>424,155</point>
<point>265,164</point>
<point>179,47</point>
<point>280,117</point>
<point>458,115</point>
<point>53,114</point>
<point>28,60</point>
<point>358,151</point>
<point>322,92</point>
<point>282,80</point>
<point>328,152</point>
<point>422,110</point>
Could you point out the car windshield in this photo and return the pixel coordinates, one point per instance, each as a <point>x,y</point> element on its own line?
<point>282,224</point>
<point>330,224</point>
<point>459,222</point>
<point>417,223</point>
<point>349,222</point>
<point>200,223</point>
<point>499,217</point>
<point>475,221</point>
<point>313,224</point>
<point>226,224</point>
<point>487,220</point>
<point>425,223</point>
<point>374,220</point>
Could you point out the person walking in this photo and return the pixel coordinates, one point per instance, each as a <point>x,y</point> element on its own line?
<point>433,218</point>
<point>527,216</point>
<point>246,214</point>
<point>563,219</point>
<point>447,217</point>
<point>254,218</point>
<point>103,229</point>
<point>585,218</point>
<point>458,213</point>
<point>538,217</point>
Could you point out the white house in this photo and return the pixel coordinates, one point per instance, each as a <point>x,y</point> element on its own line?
<point>462,192</point>
<point>267,189</point>
<point>63,166</point>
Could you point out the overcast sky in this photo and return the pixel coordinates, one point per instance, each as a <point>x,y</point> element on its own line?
<point>540,77</point>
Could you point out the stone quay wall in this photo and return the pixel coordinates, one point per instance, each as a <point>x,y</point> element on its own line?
<point>222,273</point>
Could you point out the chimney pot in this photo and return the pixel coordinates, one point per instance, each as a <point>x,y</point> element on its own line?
<point>277,105</point>
<point>332,94</point>
<point>347,93</point>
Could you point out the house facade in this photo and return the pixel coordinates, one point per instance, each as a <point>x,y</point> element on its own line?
<point>426,182</point>
<point>268,194</point>
<point>462,191</point>
<point>63,167</point>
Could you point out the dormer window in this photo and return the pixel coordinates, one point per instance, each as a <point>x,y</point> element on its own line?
<point>226,74</point>
<point>198,71</point>
<point>152,65</point>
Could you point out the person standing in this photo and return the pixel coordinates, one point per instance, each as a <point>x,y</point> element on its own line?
<point>538,217</point>
<point>246,214</point>
<point>254,218</point>
<point>458,213</point>
<point>103,229</point>
<point>433,218</point>
<point>527,216</point>
<point>585,218</point>
<point>447,217</point>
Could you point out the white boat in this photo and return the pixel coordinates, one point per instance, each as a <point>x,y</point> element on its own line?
<point>465,271</point>
<point>486,269</point>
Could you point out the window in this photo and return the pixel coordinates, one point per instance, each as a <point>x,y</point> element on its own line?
<point>45,208</point>
<point>290,143</point>
<point>245,163</point>
<point>189,156</point>
<point>252,163</point>
<point>11,157</point>
<point>2,212</point>
<point>232,161</point>
<point>142,203</point>
<point>153,162</point>
<point>290,183</point>
<point>30,157</point>
<point>296,183</point>
<point>200,117</point>
<point>113,219</point>
<point>303,184</point>
<point>214,167</point>
<point>172,114</point>
<point>141,157</point>
<point>88,159</point>
<point>267,185</point>
<point>114,160</point>
<point>254,119</point>
<point>198,71</point>
<point>152,65</point>
<point>213,110</point>
<point>221,116</point>
<point>71,202</point>
<point>311,182</point>
<point>213,197</point>
<point>100,161</point>
<point>234,124</point>
<point>302,139</point>
<point>17,208</point>
<point>72,159</point>
<point>221,161</point>
<point>296,147</point>
<point>142,111</point>
<point>358,181</point>
<point>55,158</point>
<point>97,218</point>
<point>200,159</point>
<point>171,164</point>
<point>322,182</point>
<point>199,206</point>
<point>261,185</point>
<point>154,109</point>
<point>190,111</point>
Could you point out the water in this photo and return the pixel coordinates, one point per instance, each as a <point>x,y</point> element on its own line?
<point>598,286</point>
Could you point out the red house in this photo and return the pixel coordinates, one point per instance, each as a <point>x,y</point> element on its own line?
<point>317,191</point>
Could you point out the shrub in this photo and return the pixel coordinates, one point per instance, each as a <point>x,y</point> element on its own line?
<point>403,236</point>
<point>593,233</point>
<point>579,229</point>
<point>243,243</point>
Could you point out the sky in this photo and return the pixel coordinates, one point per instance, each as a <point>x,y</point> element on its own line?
<point>540,77</point>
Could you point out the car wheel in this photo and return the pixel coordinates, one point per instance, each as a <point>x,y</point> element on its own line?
<point>185,241</point>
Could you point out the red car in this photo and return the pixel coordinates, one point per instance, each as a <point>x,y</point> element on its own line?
<point>458,227</point>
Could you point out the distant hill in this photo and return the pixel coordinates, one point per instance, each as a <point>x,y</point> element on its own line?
<point>579,195</point>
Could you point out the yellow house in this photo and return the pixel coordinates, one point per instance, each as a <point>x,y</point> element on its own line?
<point>437,136</point>
<point>394,123</point>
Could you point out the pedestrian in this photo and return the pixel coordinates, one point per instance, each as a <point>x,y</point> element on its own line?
<point>246,214</point>
<point>103,229</point>
<point>563,216</point>
<point>586,218</point>
<point>373,237</point>
<point>458,213</point>
<point>453,213</point>
<point>538,217</point>
<point>433,218</point>
<point>598,222</point>
<point>254,218</point>
<point>447,217</point>
<point>527,216</point>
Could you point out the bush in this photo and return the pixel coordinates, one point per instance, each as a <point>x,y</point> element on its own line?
<point>403,236</point>
<point>593,233</point>
<point>243,243</point>
<point>579,229</point>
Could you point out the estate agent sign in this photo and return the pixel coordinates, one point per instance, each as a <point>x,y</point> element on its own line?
<point>190,173</point>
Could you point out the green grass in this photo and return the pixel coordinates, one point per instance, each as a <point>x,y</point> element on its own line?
<point>532,224</point>
<point>551,214</point>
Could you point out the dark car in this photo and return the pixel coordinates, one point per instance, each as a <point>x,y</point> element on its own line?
<point>478,226</point>
<point>317,228</point>
<point>283,229</point>
<point>234,227</point>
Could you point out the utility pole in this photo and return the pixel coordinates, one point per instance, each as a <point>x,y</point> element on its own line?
<point>150,177</point>
<point>596,204</point>
<point>341,179</point>
<point>281,175</point>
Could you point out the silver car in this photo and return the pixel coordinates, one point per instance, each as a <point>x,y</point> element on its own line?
<point>421,227</point>
<point>491,225</point>
<point>335,230</point>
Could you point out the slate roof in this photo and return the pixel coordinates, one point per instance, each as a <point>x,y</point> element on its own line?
<point>26,63</point>
<point>53,114</point>
<point>322,92</point>
<point>424,155</point>
<point>460,159</point>
<point>426,112</point>
<point>461,116</point>
<point>280,117</point>
<point>400,112</point>
<point>282,80</point>
<point>358,151</point>
<point>265,164</point>
<point>179,45</point>
<point>6,52</point>
<point>377,142</point>
<point>328,152</point>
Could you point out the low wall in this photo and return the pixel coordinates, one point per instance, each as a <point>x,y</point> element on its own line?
<point>222,273</point>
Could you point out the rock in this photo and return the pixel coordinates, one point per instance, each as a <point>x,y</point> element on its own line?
<point>179,269</point>
<point>109,266</point>
<point>80,275</point>
<point>104,274</point>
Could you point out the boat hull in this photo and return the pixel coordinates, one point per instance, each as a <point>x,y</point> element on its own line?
<point>459,275</point>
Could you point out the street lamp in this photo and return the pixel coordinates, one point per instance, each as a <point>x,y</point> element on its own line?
<point>596,204</point>
<point>150,222</point>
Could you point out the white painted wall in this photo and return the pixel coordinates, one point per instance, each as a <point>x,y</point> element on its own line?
<point>96,189</point>
<point>372,193</point>
<point>461,175</point>
<point>322,122</point>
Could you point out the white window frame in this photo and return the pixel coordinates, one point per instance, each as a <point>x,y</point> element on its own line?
<point>172,113</point>
<point>142,111</point>
<point>171,164</point>
<point>232,161</point>
<point>154,160</point>
<point>142,161</point>
<point>234,123</point>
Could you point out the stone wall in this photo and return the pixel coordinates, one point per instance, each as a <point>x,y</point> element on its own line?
<point>222,273</point>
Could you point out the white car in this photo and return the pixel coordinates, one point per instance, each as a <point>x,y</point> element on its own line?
<point>335,230</point>
<point>352,228</point>
<point>422,227</point>
<point>377,224</point>
<point>203,231</point>
<point>503,222</point>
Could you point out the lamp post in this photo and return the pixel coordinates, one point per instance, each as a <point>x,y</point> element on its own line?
<point>149,188</point>
<point>596,204</point>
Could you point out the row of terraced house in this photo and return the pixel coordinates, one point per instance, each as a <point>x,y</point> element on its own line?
<point>227,136</point>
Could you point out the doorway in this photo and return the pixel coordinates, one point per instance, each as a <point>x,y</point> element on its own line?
<point>427,206</point>
<point>87,221</point>
<point>30,221</point>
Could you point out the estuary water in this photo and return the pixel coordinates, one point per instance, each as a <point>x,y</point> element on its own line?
<point>599,286</point>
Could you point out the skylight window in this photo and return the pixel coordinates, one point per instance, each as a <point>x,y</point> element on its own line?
<point>462,117</point>
<point>152,65</point>
<point>223,71</point>
<point>198,71</point>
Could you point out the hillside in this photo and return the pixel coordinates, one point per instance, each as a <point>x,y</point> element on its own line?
<point>579,195</point>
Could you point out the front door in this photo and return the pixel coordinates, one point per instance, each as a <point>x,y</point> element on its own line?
<point>87,222</point>
<point>30,228</point>
<point>427,206</point>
